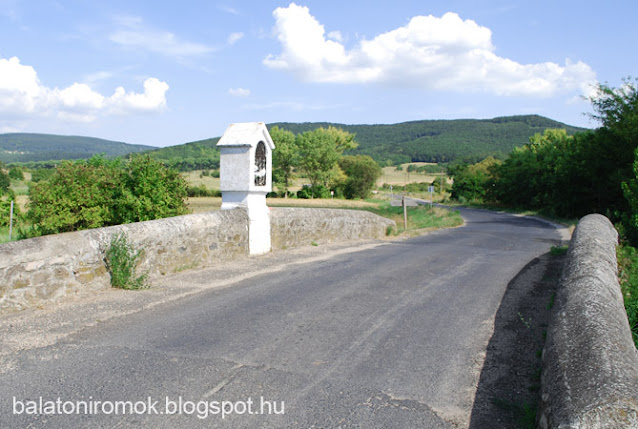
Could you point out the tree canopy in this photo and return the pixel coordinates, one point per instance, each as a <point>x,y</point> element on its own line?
<point>99,192</point>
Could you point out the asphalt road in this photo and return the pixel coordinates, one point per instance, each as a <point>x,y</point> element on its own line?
<point>390,337</point>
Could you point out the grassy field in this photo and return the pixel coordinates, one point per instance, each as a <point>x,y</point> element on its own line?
<point>205,204</point>
<point>195,178</point>
<point>419,218</point>
<point>390,176</point>
<point>393,177</point>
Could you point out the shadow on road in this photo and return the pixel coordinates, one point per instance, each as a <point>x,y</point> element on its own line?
<point>509,386</point>
<point>525,222</point>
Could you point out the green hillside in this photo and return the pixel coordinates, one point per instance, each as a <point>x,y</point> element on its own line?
<point>23,147</point>
<point>428,140</point>
<point>199,155</point>
<point>441,140</point>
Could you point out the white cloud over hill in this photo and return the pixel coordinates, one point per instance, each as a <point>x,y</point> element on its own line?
<point>446,53</point>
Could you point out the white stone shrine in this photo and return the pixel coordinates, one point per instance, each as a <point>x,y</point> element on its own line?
<point>246,177</point>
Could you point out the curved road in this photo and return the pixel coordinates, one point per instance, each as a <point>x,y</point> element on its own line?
<point>393,336</point>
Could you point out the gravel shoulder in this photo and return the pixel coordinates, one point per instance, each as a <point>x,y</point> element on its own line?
<point>508,392</point>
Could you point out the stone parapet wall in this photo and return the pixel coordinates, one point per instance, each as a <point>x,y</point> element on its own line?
<point>291,227</point>
<point>590,363</point>
<point>50,268</point>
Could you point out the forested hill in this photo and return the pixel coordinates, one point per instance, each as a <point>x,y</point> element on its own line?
<point>441,140</point>
<point>199,155</point>
<point>23,147</point>
<point>428,140</point>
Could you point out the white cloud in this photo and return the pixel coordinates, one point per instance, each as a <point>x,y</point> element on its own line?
<point>135,35</point>
<point>228,9</point>
<point>239,92</point>
<point>446,53</point>
<point>22,95</point>
<point>335,35</point>
<point>152,100</point>
<point>234,38</point>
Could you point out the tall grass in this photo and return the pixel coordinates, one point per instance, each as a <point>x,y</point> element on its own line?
<point>421,217</point>
<point>628,276</point>
<point>121,261</point>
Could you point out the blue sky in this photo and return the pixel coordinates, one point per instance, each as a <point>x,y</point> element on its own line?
<point>164,73</point>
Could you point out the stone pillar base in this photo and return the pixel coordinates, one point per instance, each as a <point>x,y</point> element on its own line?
<point>258,213</point>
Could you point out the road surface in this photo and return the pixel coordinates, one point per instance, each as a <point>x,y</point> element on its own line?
<point>390,337</point>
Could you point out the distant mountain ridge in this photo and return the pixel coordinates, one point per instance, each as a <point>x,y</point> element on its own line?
<point>32,147</point>
<point>441,140</point>
<point>425,140</point>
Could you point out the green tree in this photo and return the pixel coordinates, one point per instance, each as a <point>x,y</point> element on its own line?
<point>617,108</point>
<point>536,175</point>
<point>630,192</point>
<point>471,182</point>
<point>149,190</point>
<point>362,174</point>
<point>285,158</point>
<point>320,151</point>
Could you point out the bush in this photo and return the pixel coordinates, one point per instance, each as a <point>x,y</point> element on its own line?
<point>202,191</point>
<point>41,174</point>
<point>121,261</point>
<point>98,192</point>
<point>16,173</point>
<point>80,195</point>
<point>472,182</point>
<point>317,191</point>
<point>628,277</point>
<point>148,191</point>
<point>362,173</point>
<point>5,211</point>
<point>5,182</point>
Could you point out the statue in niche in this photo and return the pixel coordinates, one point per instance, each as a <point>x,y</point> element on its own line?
<point>260,164</point>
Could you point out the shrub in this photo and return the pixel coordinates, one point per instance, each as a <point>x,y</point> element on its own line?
<point>99,192</point>
<point>472,182</point>
<point>317,191</point>
<point>5,182</point>
<point>41,174</point>
<point>149,190</point>
<point>362,172</point>
<point>16,173</point>
<point>80,195</point>
<point>202,191</point>
<point>5,211</point>
<point>628,277</point>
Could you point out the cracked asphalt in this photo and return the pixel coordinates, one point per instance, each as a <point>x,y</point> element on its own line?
<point>379,335</point>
